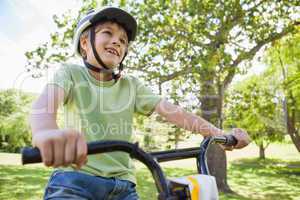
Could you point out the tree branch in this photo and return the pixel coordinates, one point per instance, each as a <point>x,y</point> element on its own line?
<point>250,54</point>
<point>141,69</point>
<point>169,77</point>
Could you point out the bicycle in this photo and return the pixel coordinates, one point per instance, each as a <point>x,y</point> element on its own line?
<point>201,186</point>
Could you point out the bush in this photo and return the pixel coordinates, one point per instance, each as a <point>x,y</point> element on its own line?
<point>14,128</point>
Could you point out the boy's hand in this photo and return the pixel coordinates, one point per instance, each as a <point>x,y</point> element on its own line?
<point>61,147</point>
<point>242,138</point>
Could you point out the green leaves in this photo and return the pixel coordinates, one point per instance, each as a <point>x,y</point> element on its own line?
<point>255,106</point>
<point>14,128</point>
<point>190,48</point>
<point>176,35</point>
<point>283,59</point>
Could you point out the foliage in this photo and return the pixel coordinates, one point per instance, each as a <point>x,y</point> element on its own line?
<point>193,48</point>
<point>200,41</point>
<point>278,86</point>
<point>190,50</point>
<point>175,136</point>
<point>14,129</point>
<point>283,59</point>
<point>152,134</point>
<point>255,106</point>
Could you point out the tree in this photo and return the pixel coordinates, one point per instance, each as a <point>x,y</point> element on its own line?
<point>283,59</point>
<point>254,105</point>
<point>199,43</point>
<point>14,129</point>
<point>175,136</point>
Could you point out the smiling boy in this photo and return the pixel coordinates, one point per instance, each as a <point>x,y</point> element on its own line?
<point>99,104</point>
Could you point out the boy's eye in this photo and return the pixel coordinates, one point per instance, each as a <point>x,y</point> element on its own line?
<point>107,32</point>
<point>123,41</point>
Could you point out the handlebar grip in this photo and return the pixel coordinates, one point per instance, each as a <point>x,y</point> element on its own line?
<point>31,155</point>
<point>230,140</point>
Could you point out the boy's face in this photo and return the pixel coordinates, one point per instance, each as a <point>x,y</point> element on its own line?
<point>111,43</point>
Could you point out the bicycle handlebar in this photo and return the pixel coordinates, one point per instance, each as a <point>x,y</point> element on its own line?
<point>32,155</point>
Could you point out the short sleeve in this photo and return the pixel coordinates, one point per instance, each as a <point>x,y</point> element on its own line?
<point>62,78</point>
<point>146,100</point>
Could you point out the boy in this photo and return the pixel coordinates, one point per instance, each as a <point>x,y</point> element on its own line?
<point>100,104</point>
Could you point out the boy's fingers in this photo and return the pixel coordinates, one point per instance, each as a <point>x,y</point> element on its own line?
<point>59,149</point>
<point>47,153</point>
<point>242,137</point>
<point>70,149</point>
<point>227,148</point>
<point>78,166</point>
<point>81,154</point>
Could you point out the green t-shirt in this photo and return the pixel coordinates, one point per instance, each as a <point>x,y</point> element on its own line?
<point>104,111</point>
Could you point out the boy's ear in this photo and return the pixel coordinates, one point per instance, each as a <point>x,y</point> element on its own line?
<point>83,43</point>
<point>83,46</point>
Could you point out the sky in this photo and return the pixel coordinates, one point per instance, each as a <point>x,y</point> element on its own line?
<point>25,24</point>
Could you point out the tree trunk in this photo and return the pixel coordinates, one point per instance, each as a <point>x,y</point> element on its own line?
<point>217,163</point>
<point>290,115</point>
<point>262,152</point>
<point>216,157</point>
<point>176,139</point>
<point>289,109</point>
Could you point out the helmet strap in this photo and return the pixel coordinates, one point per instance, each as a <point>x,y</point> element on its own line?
<point>96,69</point>
<point>121,67</point>
<point>92,41</point>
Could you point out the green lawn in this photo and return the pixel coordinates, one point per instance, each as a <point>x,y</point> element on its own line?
<point>252,179</point>
<point>277,178</point>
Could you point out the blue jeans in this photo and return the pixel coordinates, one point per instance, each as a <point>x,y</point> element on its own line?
<point>79,186</point>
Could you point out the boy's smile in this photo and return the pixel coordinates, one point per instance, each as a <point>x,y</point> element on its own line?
<point>113,51</point>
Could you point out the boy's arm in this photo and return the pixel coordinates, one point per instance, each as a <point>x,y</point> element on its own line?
<point>44,109</point>
<point>191,122</point>
<point>58,147</point>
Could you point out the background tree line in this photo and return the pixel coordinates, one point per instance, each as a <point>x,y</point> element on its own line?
<point>14,127</point>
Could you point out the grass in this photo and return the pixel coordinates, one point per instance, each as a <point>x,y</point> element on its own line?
<point>17,182</point>
<point>277,178</point>
<point>251,179</point>
<point>272,179</point>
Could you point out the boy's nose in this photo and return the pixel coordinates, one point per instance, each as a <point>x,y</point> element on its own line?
<point>115,41</point>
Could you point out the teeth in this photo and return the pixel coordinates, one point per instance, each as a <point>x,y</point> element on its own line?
<point>112,51</point>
